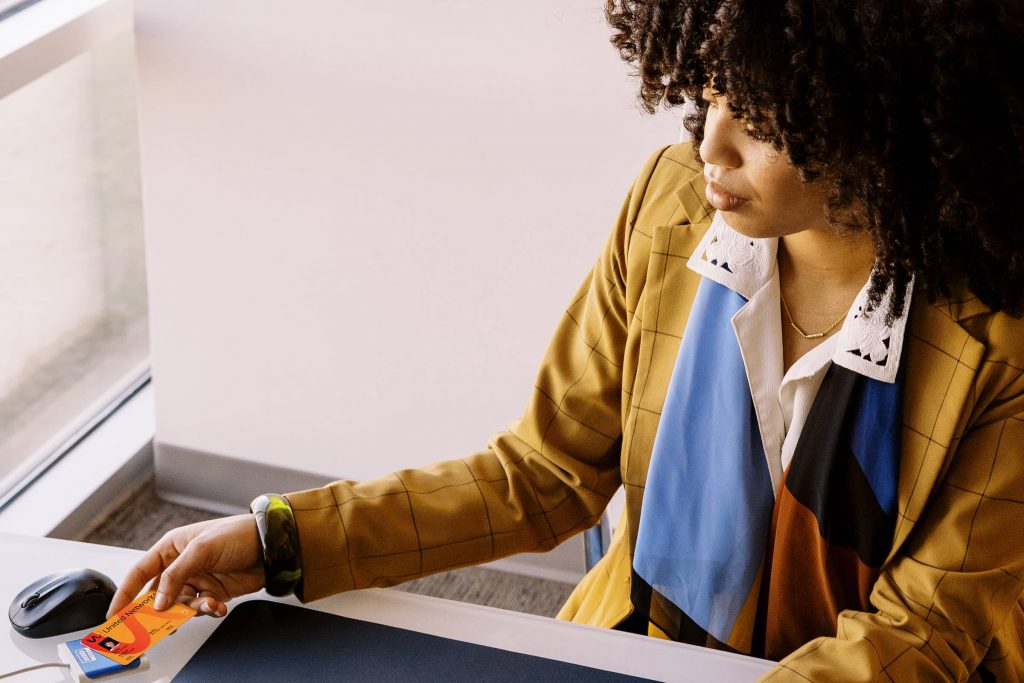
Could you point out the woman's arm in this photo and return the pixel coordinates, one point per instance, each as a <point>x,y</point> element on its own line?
<point>546,478</point>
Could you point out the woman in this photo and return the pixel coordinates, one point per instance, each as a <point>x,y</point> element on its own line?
<point>798,353</point>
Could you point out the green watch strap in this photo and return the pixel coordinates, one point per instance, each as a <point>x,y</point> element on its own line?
<point>279,536</point>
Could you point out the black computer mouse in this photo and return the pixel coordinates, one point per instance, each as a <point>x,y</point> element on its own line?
<point>67,601</point>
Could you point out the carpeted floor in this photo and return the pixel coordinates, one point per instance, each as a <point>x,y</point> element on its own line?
<point>141,522</point>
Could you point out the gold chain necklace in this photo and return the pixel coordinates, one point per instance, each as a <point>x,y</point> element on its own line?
<point>814,335</point>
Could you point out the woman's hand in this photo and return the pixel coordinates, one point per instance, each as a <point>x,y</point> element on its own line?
<point>200,565</point>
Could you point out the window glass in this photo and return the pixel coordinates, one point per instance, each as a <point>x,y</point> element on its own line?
<point>73,324</point>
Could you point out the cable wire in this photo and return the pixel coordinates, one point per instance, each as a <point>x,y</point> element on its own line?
<point>51,665</point>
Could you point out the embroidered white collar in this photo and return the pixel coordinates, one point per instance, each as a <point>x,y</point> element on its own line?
<point>866,345</point>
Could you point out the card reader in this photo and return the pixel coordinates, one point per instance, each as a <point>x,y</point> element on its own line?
<point>89,665</point>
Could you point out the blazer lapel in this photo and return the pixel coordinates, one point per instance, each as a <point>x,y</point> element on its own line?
<point>669,291</point>
<point>694,205</point>
<point>943,360</point>
<point>663,309</point>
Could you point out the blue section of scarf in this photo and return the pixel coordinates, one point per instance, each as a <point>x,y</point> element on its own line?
<point>708,502</point>
<point>875,437</point>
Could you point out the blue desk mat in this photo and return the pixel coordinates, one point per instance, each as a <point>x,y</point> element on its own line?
<point>261,640</point>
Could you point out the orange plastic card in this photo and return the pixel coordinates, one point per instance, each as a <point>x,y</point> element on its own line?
<point>136,628</point>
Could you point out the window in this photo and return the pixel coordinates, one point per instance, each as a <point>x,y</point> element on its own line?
<point>72,276</point>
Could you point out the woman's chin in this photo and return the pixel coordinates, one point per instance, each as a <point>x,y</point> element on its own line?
<point>750,226</point>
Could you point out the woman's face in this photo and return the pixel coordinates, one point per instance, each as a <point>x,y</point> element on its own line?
<point>755,187</point>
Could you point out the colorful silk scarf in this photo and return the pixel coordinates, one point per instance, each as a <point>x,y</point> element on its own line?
<point>719,560</point>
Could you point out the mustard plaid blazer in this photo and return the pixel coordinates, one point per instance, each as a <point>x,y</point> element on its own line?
<point>949,596</point>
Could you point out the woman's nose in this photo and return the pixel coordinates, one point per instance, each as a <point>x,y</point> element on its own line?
<point>719,147</point>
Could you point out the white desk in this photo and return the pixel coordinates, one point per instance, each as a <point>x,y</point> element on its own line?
<point>24,559</point>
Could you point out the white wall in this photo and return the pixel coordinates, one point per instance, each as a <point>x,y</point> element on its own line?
<point>364,219</point>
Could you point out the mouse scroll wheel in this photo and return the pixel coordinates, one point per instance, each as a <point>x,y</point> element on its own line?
<point>42,592</point>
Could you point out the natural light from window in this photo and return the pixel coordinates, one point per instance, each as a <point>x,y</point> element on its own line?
<point>72,289</point>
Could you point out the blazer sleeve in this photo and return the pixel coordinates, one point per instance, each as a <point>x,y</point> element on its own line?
<point>546,478</point>
<point>954,587</point>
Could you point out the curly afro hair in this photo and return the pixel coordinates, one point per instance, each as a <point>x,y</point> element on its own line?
<point>910,111</point>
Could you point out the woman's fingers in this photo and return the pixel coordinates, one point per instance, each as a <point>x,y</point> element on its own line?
<point>205,604</point>
<point>206,595</point>
<point>149,566</point>
<point>193,560</point>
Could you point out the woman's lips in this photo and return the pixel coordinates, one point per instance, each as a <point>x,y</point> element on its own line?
<point>722,200</point>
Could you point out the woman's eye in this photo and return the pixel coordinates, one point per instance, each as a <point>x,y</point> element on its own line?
<point>754,133</point>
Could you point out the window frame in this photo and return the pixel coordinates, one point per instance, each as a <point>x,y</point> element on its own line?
<point>36,39</point>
